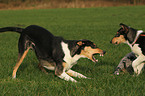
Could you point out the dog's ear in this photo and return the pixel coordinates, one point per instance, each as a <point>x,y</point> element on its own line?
<point>121,24</point>
<point>77,47</point>
<point>125,27</point>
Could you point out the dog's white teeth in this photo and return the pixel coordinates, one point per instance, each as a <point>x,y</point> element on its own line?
<point>96,60</point>
<point>101,55</point>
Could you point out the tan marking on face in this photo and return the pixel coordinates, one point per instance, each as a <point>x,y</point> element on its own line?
<point>118,40</point>
<point>88,52</point>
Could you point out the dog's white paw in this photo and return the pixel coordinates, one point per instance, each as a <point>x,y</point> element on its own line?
<point>116,73</point>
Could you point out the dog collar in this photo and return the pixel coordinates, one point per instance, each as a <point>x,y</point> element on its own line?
<point>137,36</point>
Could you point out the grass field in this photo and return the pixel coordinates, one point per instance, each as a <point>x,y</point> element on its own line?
<point>96,24</point>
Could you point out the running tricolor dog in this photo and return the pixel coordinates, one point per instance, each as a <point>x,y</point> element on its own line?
<point>53,52</point>
<point>136,40</point>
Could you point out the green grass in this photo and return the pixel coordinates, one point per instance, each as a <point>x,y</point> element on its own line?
<point>96,24</point>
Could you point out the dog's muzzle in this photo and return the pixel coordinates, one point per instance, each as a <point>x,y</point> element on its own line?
<point>96,60</point>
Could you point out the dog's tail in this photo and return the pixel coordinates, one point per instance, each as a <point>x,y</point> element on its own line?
<point>14,29</point>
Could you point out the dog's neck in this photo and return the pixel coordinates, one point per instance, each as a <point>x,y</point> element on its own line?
<point>72,46</point>
<point>133,36</point>
<point>137,36</point>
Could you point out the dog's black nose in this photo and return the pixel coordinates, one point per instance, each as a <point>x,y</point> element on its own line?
<point>104,52</point>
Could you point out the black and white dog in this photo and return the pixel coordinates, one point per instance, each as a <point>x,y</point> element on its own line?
<point>53,52</point>
<point>136,40</point>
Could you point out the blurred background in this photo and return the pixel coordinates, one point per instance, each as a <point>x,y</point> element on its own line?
<point>40,4</point>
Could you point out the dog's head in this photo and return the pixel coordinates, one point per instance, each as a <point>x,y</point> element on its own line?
<point>88,49</point>
<point>121,35</point>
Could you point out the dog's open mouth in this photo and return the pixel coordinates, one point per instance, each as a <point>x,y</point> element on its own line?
<point>94,59</point>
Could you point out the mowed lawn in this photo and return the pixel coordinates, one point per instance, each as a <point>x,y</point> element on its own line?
<point>96,24</point>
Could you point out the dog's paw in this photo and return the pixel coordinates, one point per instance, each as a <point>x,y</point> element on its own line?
<point>116,73</point>
<point>13,76</point>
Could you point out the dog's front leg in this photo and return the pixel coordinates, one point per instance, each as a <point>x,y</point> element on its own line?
<point>66,77</point>
<point>75,74</point>
<point>137,63</point>
<point>60,72</point>
<point>140,67</point>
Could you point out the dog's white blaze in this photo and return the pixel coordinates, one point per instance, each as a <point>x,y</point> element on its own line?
<point>67,58</point>
<point>66,77</point>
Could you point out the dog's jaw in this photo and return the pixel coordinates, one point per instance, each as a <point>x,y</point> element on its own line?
<point>96,60</point>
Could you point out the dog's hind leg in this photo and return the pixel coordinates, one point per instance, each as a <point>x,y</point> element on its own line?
<point>75,74</point>
<point>20,60</point>
<point>42,68</point>
<point>24,45</point>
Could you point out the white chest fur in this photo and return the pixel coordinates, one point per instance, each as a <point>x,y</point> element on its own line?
<point>68,58</point>
<point>136,49</point>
